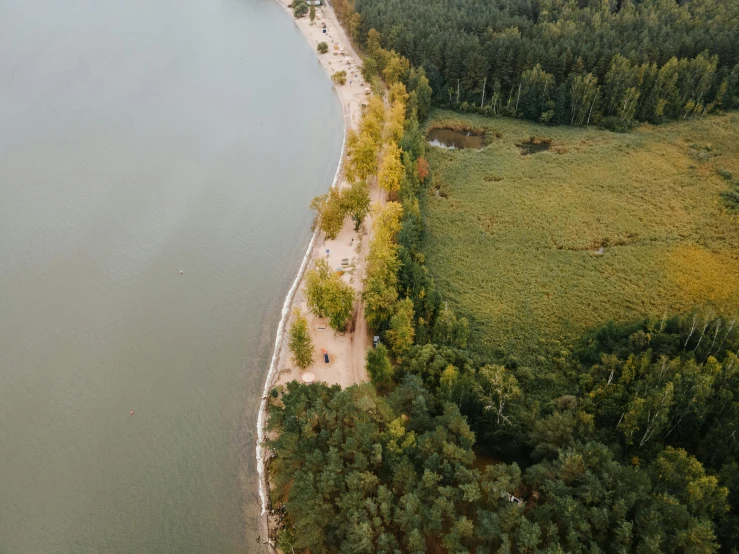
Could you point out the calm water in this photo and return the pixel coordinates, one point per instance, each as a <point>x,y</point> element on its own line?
<point>139,139</point>
<point>455,140</point>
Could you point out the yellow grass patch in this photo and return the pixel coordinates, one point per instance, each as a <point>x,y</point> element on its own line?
<point>706,277</point>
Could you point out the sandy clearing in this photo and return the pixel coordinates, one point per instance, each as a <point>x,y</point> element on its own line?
<point>346,350</point>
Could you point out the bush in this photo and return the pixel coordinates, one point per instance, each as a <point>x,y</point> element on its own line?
<point>300,8</point>
<point>339,77</point>
<point>616,124</point>
<point>322,47</point>
<point>731,198</point>
<point>724,173</point>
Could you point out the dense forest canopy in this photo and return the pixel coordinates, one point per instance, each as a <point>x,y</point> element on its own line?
<point>625,443</point>
<point>564,61</point>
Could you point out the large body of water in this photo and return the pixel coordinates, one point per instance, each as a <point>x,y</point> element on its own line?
<point>139,139</point>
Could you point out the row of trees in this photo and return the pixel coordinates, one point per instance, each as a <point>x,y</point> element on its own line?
<point>332,208</point>
<point>564,62</point>
<point>680,89</point>
<point>372,152</point>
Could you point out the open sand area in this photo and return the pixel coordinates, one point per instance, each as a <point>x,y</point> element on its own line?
<point>346,351</point>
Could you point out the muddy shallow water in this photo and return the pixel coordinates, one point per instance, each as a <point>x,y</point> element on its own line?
<point>455,140</point>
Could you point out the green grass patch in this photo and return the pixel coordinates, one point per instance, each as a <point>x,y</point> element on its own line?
<point>600,226</point>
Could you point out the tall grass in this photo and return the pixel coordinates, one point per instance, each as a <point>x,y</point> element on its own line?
<point>603,226</point>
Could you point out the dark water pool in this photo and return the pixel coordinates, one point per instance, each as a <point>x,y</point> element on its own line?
<point>454,140</point>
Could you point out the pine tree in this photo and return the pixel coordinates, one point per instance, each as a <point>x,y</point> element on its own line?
<point>300,342</point>
<point>379,368</point>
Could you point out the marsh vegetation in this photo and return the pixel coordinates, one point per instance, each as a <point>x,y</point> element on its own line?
<point>601,226</point>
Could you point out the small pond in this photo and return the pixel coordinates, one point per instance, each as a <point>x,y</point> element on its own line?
<point>453,140</point>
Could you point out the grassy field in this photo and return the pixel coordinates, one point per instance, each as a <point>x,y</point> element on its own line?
<point>603,226</point>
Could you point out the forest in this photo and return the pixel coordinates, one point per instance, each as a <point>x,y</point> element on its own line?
<point>610,62</point>
<point>623,440</point>
<point>625,443</point>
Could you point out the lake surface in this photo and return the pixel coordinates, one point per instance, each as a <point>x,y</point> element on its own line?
<point>139,139</point>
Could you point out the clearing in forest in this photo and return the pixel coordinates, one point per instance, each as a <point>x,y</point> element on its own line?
<point>599,226</point>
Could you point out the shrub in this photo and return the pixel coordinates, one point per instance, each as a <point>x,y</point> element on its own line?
<point>422,166</point>
<point>322,47</point>
<point>300,8</point>
<point>731,198</point>
<point>339,77</point>
<point>616,124</point>
<point>724,173</point>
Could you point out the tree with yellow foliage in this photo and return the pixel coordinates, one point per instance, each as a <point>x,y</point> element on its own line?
<point>300,343</point>
<point>397,66</point>
<point>330,213</point>
<point>356,202</point>
<point>328,295</point>
<point>373,42</point>
<point>372,127</point>
<point>398,93</point>
<point>392,171</point>
<point>373,119</point>
<point>386,222</point>
<point>362,162</point>
<point>380,292</point>
<point>395,126</point>
<point>402,332</point>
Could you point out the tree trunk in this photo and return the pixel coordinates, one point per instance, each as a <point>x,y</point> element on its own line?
<point>515,110</point>
<point>695,317</point>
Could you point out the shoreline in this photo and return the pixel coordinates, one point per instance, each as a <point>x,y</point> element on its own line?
<point>343,346</point>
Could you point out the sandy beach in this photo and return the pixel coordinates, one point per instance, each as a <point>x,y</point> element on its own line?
<point>346,351</point>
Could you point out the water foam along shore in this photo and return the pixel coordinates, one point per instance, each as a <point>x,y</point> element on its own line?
<point>351,97</point>
<point>286,307</point>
